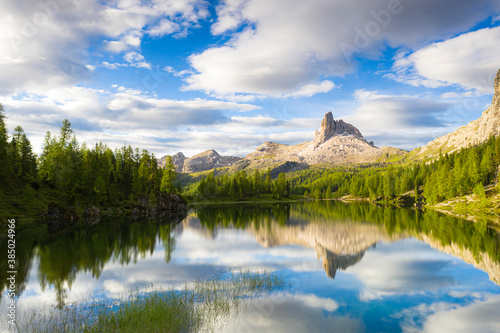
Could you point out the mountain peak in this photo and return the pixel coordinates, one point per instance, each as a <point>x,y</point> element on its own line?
<point>474,133</point>
<point>497,83</point>
<point>331,127</point>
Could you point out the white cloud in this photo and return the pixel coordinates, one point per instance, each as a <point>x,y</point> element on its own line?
<point>314,301</point>
<point>413,268</point>
<point>46,43</point>
<point>165,27</point>
<point>229,16</point>
<point>313,89</point>
<point>469,60</point>
<point>480,316</point>
<point>398,120</point>
<point>136,60</point>
<point>126,115</point>
<point>278,48</point>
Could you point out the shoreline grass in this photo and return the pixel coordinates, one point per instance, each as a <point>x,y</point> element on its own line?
<point>199,306</point>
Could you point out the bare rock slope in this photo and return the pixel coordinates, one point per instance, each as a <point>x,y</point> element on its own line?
<point>474,133</point>
<point>207,160</point>
<point>203,161</point>
<point>336,143</point>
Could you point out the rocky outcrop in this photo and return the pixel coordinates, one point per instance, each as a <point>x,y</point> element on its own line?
<point>203,161</point>
<point>208,160</point>
<point>474,133</point>
<point>331,127</point>
<point>178,160</point>
<point>165,205</point>
<point>59,216</point>
<point>336,143</point>
<point>269,149</point>
<point>287,167</point>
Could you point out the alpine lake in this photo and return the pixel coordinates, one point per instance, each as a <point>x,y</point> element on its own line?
<point>348,267</point>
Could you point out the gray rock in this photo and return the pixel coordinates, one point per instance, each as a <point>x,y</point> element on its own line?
<point>208,160</point>
<point>472,134</point>
<point>331,127</point>
<point>178,160</point>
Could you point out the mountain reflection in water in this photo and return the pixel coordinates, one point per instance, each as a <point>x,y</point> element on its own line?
<point>339,233</point>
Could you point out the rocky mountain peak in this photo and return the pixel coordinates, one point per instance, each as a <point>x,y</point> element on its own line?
<point>474,133</point>
<point>497,83</point>
<point>178,160</point>
<point>331,127</point>
<point>207,160</point>
<point>495,104</point>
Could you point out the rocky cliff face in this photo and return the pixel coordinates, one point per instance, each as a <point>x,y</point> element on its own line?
<point>207,160</point>
<point>178,160</point>
<point>331,127</point>
<point>201,162</point>
<point>336,143</point>
<point>474,133</point>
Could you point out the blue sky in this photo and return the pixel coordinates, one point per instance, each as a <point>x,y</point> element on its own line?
<point>192,75</point>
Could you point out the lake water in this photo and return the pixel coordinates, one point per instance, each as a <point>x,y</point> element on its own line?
<point>351,267</point>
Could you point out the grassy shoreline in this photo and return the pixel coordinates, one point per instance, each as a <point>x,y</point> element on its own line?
<point>200,305</point>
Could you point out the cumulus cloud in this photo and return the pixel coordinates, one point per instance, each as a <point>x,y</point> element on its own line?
<point>45,44</point>
<point>313,89</point>
<point>413,268</point>
<point>229,16</point>
<point>278,48</point>
<point>481,316</point>
<point>127,115</point>
<point>292,313</point>
<point>469,60</point>
<point>398,120</point>
<point>136,59</point>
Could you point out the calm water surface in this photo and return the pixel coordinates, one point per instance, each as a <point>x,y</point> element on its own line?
<point>352,268</point>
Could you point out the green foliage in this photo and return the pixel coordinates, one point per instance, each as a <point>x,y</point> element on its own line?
<point>201,306</point>
<point>77,174</point>
<point>242,185</point>
<point>479,191</point>
<point>5,163</point>
<point>447,177</point>
<point>168,177</point>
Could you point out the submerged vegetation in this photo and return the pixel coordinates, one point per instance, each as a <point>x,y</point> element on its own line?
<point>202,305</point>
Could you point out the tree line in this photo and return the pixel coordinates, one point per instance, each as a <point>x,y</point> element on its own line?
<point>75,173</point>
<point>102,176</point>
<point>448,176</point>
<point>242,185</point>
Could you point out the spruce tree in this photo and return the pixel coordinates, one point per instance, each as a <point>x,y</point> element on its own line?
<point>5,163</point>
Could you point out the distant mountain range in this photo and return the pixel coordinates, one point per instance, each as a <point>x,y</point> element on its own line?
<point>335,143</point>
<point>340,143</point>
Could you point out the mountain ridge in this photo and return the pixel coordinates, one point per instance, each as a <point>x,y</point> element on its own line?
<point>340,143</point>
<point>472,134</point>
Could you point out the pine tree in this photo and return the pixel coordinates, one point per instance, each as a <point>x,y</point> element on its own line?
<point>5,163</point>
<point>169,175</point>
<point>268,180</point>
<point>328,194</point>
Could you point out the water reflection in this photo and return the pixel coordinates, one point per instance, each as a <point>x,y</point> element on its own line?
<point>378,250</point>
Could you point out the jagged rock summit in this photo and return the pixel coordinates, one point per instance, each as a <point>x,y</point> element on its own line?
<point>336,143</point>
<point>474,133</point>
<point>203,161</point>
<point>331,127</point>
<point>207,160</point>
